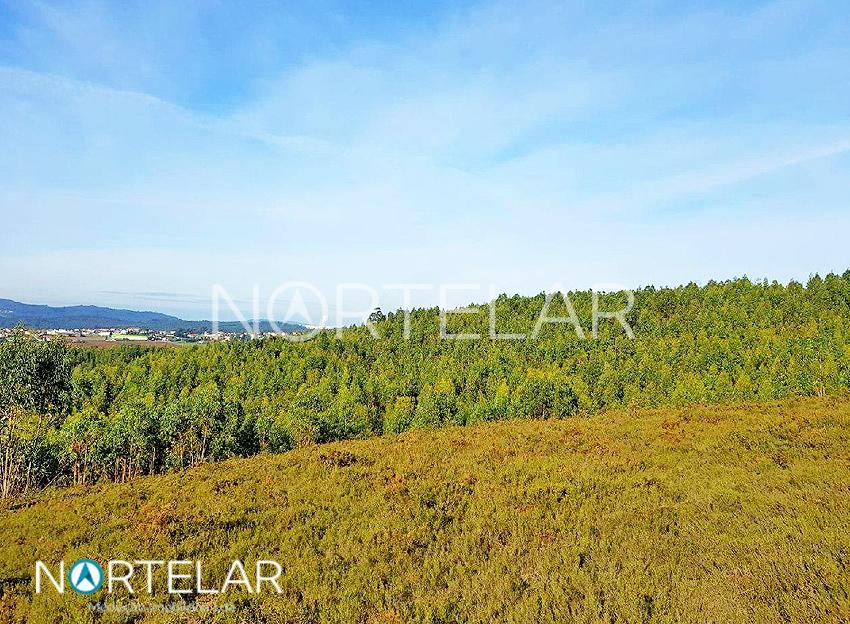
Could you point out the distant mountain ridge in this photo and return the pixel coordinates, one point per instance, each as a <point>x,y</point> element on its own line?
<point>14,313</point>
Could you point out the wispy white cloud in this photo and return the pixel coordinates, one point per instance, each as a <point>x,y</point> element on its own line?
<point>505,142</point>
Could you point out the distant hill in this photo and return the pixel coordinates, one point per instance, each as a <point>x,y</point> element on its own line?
<point>14,313</point>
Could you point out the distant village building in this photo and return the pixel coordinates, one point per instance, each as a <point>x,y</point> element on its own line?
<point>128,337</point>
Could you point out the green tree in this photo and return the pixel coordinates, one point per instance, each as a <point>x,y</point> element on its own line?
<point>399,416</point>
<point>35,384</point>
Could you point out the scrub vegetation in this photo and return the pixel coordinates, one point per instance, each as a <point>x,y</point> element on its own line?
<point>690,514</point>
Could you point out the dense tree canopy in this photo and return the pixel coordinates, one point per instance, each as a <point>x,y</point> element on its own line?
<point>128,411</point>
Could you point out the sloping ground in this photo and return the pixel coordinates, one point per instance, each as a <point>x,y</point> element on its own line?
<point>732,514</point>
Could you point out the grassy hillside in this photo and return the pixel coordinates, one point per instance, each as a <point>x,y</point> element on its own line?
<point>732,514</point>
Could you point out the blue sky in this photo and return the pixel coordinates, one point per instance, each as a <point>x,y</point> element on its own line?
<point>153,149</point>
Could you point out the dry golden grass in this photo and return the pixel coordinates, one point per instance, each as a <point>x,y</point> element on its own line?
<point>701,514</point>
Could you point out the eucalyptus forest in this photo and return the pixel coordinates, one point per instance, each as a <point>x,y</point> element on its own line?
<point>75,415</point>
